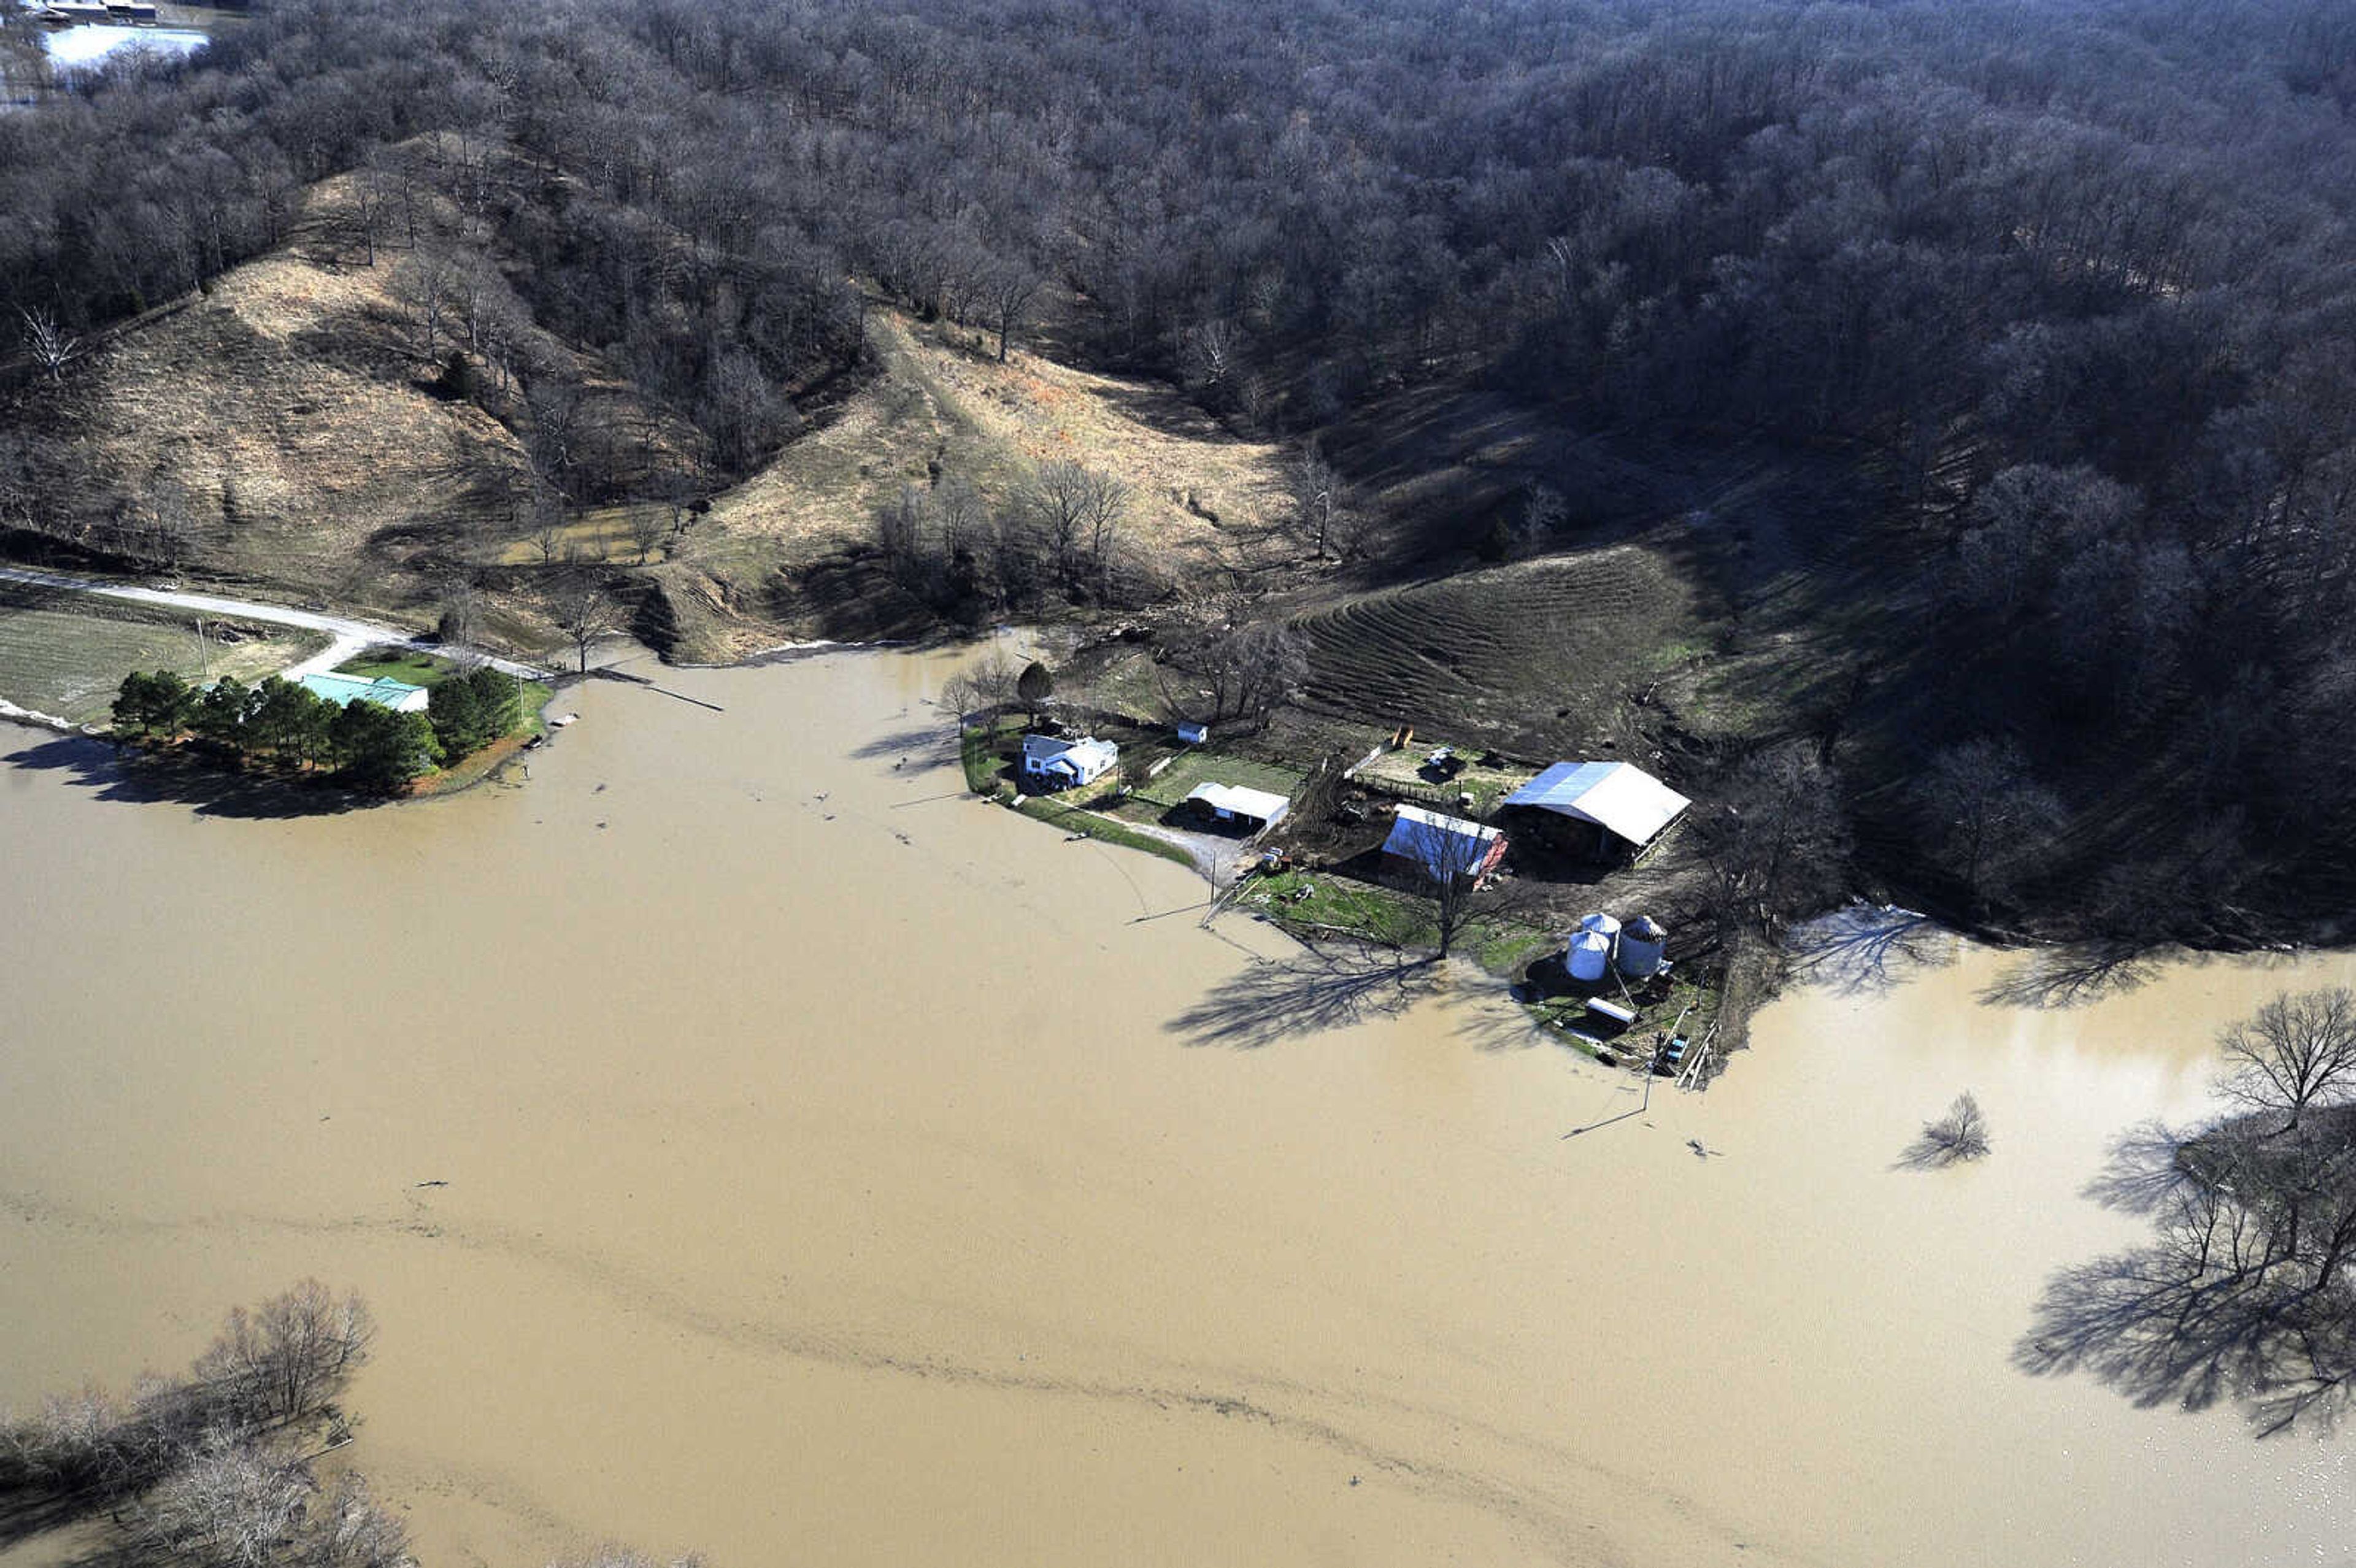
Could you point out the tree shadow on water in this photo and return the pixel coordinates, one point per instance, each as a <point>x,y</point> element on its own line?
<point>1864,948</point>
<point>931,743</point>
<point>1317,990</point>
<point>211,789</point>
<point>2071,977</point>
<point>2204,1314</point>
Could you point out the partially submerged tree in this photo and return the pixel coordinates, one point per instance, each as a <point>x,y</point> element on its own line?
<point>1960,1135</point>
<point>2297,1051</point>
<point>582,608</point>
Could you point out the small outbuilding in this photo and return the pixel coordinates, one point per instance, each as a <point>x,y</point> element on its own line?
<point>1439,847</point>
<point>343,691</point>
<point>1607,810</point>
<point>1257,809</point>
<point>1192,734</point>
<point>1055,761</point>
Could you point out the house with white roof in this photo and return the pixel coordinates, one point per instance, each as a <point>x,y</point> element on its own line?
<point>1607,809</point>
<point>1052,761</point>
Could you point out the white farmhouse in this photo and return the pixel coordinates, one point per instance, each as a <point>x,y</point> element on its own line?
<point>1051,761</point>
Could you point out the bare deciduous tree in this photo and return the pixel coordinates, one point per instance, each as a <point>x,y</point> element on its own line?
<point>281,1361</point>
<point>1248,670</point>
<point>2295,1051</point>
<point>1208,359</point>
<point>582,608</point>
<point>649,524</point>
<point>1960,1135</point>
<point>1320,497</point>
<point>1079,511</point>
<point>1006,291</point>
<point>1450,864</point>
<point>1986,812</point>
<point>52,346</point>
<point>1772,839</point>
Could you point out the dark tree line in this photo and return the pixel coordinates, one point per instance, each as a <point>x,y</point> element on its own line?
<point>2065,288</point>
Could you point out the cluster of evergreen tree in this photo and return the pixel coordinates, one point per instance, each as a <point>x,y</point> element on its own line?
<point>366,744</point>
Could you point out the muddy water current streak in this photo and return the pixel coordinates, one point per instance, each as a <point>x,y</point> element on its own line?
<point>839,1171</point>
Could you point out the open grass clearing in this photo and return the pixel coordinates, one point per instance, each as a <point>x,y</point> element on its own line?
<point>70,661</point>
<point>1192,768</point>
<point>943,408</point>
<point>406,664</point>
<point>1323,902</point>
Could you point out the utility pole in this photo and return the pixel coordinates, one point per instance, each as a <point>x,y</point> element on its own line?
<point>204,652</point>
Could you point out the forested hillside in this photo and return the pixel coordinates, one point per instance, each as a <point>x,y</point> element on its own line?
<point>2062,295</point>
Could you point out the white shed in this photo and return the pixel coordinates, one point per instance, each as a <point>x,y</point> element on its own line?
<point>1233,802</point>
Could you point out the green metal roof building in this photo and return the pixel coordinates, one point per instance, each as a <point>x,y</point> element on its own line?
<point>345,689</point>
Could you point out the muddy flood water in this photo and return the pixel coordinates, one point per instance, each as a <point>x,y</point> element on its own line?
<point>842,1171</point>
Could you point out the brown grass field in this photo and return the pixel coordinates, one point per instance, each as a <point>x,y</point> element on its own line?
<point>65,655</point>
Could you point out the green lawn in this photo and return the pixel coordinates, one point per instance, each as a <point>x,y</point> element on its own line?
<point>1322,901</point>
<point>1368,910</point>
<point>400,664</point>
<point>1096,825</point>
<point>1175,782</point>
<point>980,749</point>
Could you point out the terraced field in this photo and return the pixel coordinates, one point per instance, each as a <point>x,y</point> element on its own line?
<point>1541,658</point>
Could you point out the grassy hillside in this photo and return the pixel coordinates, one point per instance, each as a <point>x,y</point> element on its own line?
<point>776,554</point>
<point>284,430</point>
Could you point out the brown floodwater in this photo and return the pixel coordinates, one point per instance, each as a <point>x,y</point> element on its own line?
<point>841,1170</point>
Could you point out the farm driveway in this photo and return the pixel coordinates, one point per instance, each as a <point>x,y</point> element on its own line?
<point>350,635</point>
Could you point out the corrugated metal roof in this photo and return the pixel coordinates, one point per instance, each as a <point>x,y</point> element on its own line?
<point>1261,803</point>
<point>1619,797</point>
<point>344,690</point>
<point>1439,844</point>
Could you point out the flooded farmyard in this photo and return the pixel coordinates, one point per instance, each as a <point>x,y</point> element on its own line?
<point>751,1144</point>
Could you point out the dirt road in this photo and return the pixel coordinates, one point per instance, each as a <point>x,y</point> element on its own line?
<point>350,635</point>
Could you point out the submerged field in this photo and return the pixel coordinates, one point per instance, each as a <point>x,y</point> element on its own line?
<point>750,1145</point>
